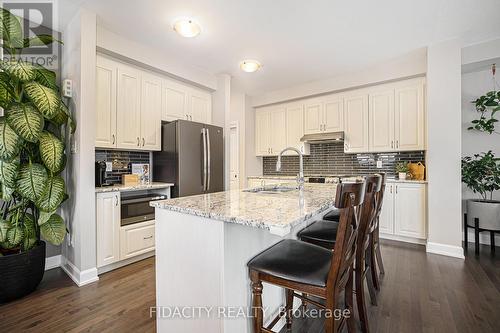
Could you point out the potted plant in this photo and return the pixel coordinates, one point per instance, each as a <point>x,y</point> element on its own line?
<point>402,170</point>
<point>32,157</point>
<point>481,174</point>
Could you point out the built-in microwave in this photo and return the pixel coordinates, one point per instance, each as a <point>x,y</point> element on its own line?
<point>136,209</point>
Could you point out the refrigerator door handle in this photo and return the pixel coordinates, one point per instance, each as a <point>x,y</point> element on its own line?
<point>203,134</point>
<point>208,158</point>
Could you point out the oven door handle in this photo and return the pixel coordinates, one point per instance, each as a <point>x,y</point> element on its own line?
<point>130,201</point>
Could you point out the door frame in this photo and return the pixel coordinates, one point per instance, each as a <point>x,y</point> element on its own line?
<point>234,125</point>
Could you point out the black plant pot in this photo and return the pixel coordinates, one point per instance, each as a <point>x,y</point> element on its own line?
<point>21,273</point>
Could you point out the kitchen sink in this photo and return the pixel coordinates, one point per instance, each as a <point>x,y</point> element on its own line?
<point>274,189</point>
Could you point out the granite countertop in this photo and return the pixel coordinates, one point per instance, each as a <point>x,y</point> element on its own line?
<point>278,212</point>
<point>389,180</point>
<point>125,188</point>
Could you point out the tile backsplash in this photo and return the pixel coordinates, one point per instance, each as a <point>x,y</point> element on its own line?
<point>122,162</point>
<point>330,159</point>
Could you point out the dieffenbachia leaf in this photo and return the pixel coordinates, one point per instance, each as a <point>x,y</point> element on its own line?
<point>10,141</point>
<point>51,152</point>
<point>26,121</point>
<point>12,33</point>
<point>9,172</point>
<point>19,69</point>
<point>45,99</point>
<point>54,230</point>
<point>53,195</point>
<point>32,181</point>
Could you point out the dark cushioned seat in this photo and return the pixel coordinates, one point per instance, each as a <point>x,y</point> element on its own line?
<point>334,215</point>
<point>323,232</point>
<point>295,261</point>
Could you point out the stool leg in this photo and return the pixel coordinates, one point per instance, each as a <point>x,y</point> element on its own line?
<point>476,235</point>
<point>466,234</point>
<point>373,265</point>
<point>349,301</point>
<point>256,301</point>
<point>289,305</point>
<point>304,303</point>
<point>369,279</point>
<point>492,241</point>
<point>360,297</point>
<point>378,253</point>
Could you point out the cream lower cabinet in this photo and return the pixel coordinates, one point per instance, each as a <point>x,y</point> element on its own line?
<point>136,239</point>
<point>108,228</point>
<point>404,211</point>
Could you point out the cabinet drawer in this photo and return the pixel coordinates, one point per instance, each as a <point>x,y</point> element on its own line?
<point>137,239</point>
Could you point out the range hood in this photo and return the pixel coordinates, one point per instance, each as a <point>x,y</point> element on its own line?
<point>323,137</point>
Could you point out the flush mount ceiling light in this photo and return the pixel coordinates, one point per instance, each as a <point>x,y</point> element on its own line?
<point>187,28</point>
<point>250,66</point>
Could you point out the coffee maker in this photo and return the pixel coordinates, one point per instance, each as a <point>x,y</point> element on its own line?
<point>100,174</point>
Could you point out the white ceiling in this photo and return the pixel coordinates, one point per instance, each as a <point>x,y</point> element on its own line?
<point>297,41</point>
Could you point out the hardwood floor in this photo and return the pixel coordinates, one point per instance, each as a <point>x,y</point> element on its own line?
<point>419,293</point>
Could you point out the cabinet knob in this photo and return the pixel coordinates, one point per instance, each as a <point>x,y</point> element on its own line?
<point>143,142</point>
<point>113,138</point>
<point>138,142</point>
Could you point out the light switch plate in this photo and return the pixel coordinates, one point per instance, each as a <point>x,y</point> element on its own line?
<point>67,88</point>
<point>379,164</point>
<point>109,166</point>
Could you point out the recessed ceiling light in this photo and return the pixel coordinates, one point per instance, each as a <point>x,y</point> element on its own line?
<point>187,28</point>
<point>250,66</point>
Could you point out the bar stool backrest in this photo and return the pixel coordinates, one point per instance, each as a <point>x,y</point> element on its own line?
<point>349,200</point>
<point>370,206</point>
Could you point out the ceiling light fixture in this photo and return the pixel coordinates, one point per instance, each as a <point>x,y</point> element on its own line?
<point>187,28</point>
<point>250,66</point>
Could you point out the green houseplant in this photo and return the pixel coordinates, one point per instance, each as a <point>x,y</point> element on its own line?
<point>32,151</point>
<point>486,105</point>
<point>402,170</point>
<point>481,174</point>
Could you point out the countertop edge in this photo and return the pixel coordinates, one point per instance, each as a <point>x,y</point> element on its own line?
<point>123,188</point>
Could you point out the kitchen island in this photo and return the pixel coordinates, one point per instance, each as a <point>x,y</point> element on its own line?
<point>203,243</point>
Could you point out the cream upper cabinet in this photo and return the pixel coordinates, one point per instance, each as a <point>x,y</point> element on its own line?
<point>409,115</point>
<point>313,116</point>
<point>410,210</point>
<point>262,130</point>
<point>128,120</point>
<point>150,112</point>
<point>200,107</point>
<point>182,102</point>
<point>333,113</point>
<point>295,128</point>
<point>277,130</point>
<point>356,123</point>
<point>106,103</point>
<point>108,228</point>
<point>381,120</point>
<point>174,101</point>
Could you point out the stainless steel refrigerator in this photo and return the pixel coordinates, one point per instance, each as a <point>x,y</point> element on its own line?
<point>192,157</point>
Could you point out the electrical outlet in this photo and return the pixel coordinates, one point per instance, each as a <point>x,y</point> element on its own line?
<point>109,166</point>
<point>379,164</point>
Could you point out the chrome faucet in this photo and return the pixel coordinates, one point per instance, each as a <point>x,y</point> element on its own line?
<point>300,177</point>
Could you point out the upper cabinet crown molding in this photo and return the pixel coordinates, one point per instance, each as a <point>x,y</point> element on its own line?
<point>132,102</point>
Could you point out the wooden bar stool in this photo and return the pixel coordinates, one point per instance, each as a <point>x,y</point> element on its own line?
<point>375,240</point>
<point>311,269</point>
<point>323,233</point>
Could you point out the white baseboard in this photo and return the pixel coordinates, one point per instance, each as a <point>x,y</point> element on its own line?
<point>403,239</point>
<point>81,278</point>
<point>445,250</point>
<point>125,262</point>
<point>52,262</point>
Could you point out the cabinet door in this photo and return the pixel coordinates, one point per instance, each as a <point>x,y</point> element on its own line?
<point>277,129</point>
<point>150,112</point>
<point>200,107</point>
<point>386,220</point>
<point>136,239</point>
<point>410,210</point>
<point>106,103</point>
<point>313,116</point>
<point>356,124</point>
<point>333,115</point>
<point>174,101</point>
<point>381,120</point>
<point>409,113</point>
<point>128,129</point>
<point>295,128</point>
<point>262,132</point>
<point>108,228</point>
